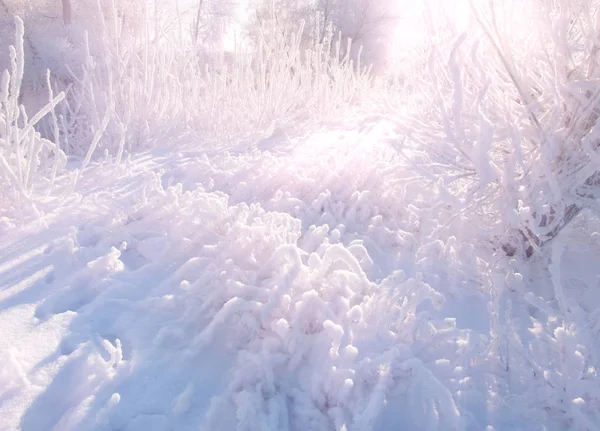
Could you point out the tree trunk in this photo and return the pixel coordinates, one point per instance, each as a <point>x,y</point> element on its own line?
<point>66,11</point>
<point>197,22</point>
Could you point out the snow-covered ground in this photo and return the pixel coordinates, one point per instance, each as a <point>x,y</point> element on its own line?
<point>303,284</point>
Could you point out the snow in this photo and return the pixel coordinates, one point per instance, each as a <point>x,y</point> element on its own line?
<point>256,283</point>
<point>294,287</point>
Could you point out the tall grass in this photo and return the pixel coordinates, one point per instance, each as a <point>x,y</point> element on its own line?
<point>28,163</point>
<point>126,95</point>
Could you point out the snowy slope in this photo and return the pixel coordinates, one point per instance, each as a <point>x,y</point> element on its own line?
<point>300,285</point>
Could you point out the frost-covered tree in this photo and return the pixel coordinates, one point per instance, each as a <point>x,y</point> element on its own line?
<point>211,20</point>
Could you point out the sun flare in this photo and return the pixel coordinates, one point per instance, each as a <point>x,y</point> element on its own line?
<point>417,20</point>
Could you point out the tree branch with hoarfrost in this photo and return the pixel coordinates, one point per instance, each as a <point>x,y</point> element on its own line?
<point>515,136</point>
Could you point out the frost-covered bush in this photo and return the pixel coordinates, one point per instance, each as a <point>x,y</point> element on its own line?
<point>503,123</point>
<point>505,118</point>
<point>130,96</point>
<point>51,44</point>
<point>28,162</point>
<point>126,90</point>
<point>370,24</point>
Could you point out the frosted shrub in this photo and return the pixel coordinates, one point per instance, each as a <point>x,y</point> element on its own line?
<point>119,94</point>
<point>28,162</point>
<point>506,122</point>
<point>504,125</point>
<point>138,95</point>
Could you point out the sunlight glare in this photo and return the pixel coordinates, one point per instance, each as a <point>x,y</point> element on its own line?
<point>412,29</point>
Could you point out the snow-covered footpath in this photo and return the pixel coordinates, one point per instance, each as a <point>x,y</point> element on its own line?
<point>300,285</point>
